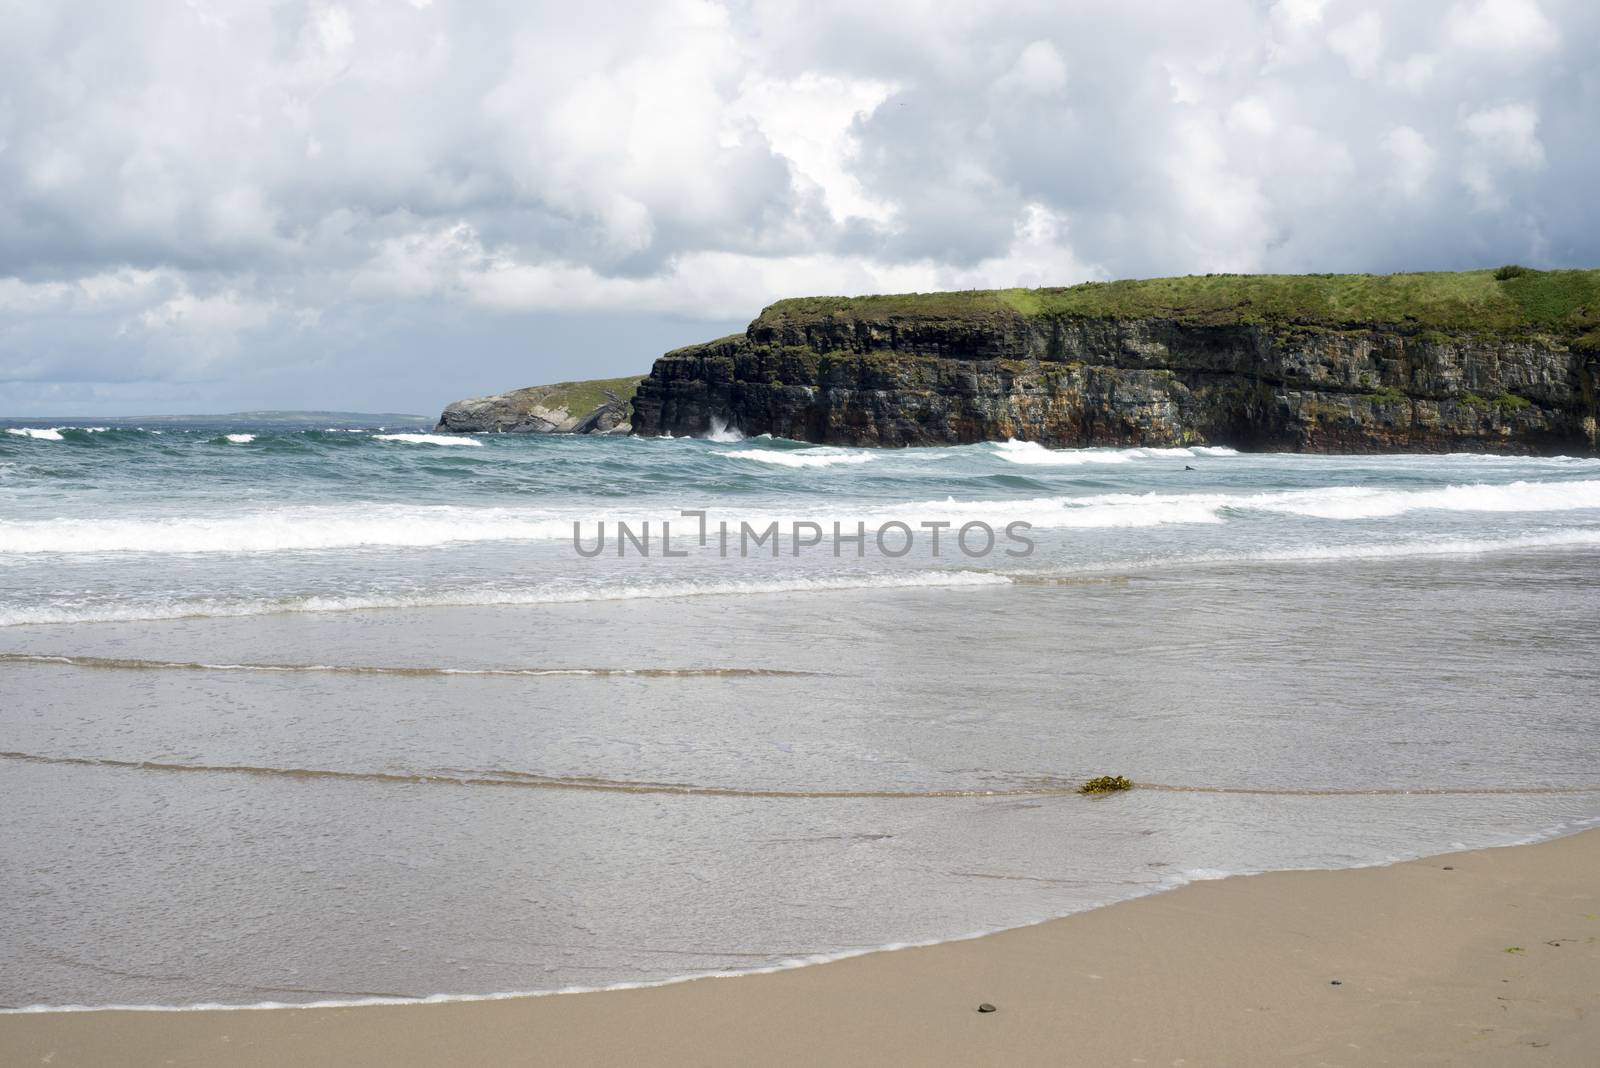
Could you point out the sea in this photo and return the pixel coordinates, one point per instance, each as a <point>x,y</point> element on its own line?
<point>292,714</point>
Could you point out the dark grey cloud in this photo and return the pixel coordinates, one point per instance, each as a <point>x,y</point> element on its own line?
<point>293,201</point>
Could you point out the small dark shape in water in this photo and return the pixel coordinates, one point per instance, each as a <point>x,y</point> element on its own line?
<point>1336,982</point>
<point>1186,467</point>
<point>1105,784</point>
<point>986,1007</point>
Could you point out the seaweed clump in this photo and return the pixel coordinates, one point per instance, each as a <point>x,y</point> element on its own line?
<point>1106,784</point>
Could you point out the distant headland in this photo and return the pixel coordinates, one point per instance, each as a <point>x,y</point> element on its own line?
<point>1502,360</point>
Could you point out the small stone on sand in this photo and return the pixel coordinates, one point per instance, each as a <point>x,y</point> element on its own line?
<point>986,1007</point>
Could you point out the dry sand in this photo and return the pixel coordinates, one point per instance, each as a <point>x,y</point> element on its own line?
<point>1487,957</point>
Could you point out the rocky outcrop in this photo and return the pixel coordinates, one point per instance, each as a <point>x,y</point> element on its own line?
<point>925,371</point>
<point>596,407</point>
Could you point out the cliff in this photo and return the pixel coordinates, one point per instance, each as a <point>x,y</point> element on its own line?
<point>1501,360</point>
<point>598,406</point>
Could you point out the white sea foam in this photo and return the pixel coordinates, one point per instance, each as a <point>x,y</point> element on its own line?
<point>1360,502</point>
<point>291,529</point>
<point>1564,539</point>
<point>721,431</point>
<point>241,439</point>
<point>1322,553</point>
<point>1031,453</point>
<point>491,596</point>
<point>823,457</point>
<point>178,608</point>
<point>427,439</point>
<point>282,530</point>
<point>1112,510</point>
<point>36,433</point>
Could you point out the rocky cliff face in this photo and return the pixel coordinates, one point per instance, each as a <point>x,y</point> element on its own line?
<point>896,372</point>
<point>598,407</point>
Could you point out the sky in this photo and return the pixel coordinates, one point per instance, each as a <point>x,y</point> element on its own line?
<point>384,205</point>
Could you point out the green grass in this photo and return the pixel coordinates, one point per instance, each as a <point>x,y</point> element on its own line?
<point>1511,402</point>
<point>1566,303</point>
<point>581,398</point>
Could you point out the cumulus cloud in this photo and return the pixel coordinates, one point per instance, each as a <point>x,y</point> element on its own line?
<point>1359,43</point>
<point>243,190</point>
<point>1038,71</point>
<point>1411,160</point>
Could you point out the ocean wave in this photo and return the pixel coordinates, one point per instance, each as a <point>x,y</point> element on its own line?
<point>136,664</point>
<point>286,529</point>
<point>823,457</point>
<point>36,433</point>
<point>1033,454</point>
<point>33,614</point>
<point>1361,502</point>
<point>1129,510</point>
<point>1312,554</point>
<point>427,439</point>
<point>241,439</point>
<point>722,432</point>
<point>487,597</point>
<point>282,530</point>
<point>499,777</point>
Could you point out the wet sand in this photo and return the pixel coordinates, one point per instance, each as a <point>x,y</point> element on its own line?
<point>1483,957</point>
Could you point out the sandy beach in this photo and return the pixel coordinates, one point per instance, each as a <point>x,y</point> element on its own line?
<point>1489,956</point>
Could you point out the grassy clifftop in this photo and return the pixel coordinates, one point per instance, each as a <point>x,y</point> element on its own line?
<point>1510,300</point>
<point>580,398</point>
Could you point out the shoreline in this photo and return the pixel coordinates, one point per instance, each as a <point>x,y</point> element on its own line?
<point>820,959</point>
<point>1490,953</point>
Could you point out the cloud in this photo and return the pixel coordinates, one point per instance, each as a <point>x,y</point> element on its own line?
<point>1503,139</point>
<point>1359,43</point>
<point>276,193</point>
<point>1038,71</point>
<point>1411,160</point>
<point>1509,29</point>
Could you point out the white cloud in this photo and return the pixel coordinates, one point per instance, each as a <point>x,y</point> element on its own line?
<point>1411,160</point>
<point>218,175</point>
<point>1511,29</point>
<point>713,285</point>
<point>809,122</point>
<point>1414,73</point>
<point>1503,139</point>
<point>1359,43</point>
<point>1252,115</point>
<point>1507,134</point>
<point>1038,71</point>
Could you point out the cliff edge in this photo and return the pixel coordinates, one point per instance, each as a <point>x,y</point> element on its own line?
<point>1502,361</point>
<point>598,406</point>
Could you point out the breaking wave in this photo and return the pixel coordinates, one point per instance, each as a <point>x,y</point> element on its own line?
<point>1033,454</point>
<point>311,528</point>
<point>1334,502</point>
<point>428,439</point>
<point>34,614</point>
<point>824,457</point>
<point>722,432</point>
<point>280,530</point>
